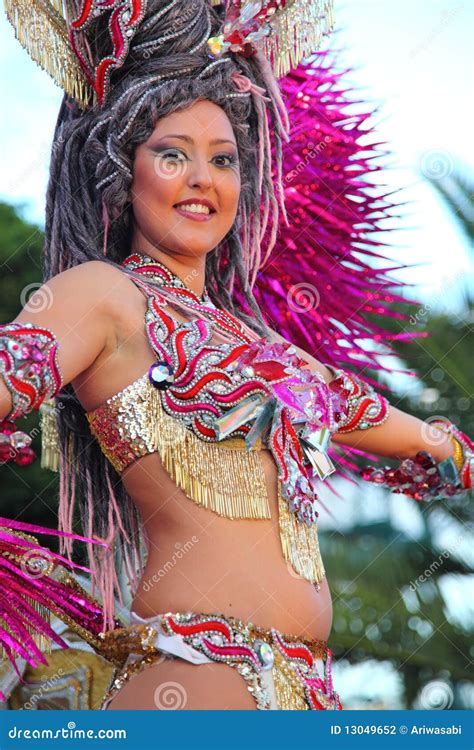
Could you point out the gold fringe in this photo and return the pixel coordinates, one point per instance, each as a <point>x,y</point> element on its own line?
<point>299,543</point>
<point>224,477</point>
<point>40,27</point>
<point>49,436</point>
<point>288,688</point>
<point>43,642</point>
<point>297,31</point>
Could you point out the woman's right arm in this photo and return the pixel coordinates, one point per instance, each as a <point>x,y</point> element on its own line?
<point>79,307</point>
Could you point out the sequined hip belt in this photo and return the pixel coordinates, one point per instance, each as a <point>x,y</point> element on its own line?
<point>281,671</point>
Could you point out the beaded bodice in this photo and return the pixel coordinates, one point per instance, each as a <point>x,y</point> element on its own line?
<point>242,388</point>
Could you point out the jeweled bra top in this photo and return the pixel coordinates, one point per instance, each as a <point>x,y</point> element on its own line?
<point>208,409</point>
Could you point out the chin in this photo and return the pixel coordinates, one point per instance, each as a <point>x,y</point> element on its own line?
<point>199,247</point>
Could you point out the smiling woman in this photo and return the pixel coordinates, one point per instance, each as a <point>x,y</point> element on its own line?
<point>170,407</point>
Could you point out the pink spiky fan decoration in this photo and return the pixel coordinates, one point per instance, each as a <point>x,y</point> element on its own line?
<point>327,284</point>
<point>327,275</point>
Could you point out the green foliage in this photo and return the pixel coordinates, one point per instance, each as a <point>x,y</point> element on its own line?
<point>20,260</point>
<point>27,493</point>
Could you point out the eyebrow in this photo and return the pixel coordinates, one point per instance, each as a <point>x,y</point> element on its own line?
<point>190,140</point>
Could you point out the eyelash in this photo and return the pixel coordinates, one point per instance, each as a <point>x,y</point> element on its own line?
<point>231,157</point>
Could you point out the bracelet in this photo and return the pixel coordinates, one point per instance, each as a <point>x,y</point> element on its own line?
<point>423,478</point>
<point>458,456</point>
<point>15,445</point>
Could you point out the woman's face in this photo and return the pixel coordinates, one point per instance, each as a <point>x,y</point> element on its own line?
<point>190,156</point>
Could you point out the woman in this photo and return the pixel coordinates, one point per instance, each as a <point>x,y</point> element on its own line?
<point>181,416</point>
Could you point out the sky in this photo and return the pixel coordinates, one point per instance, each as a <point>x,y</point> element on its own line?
<point>411,58</point>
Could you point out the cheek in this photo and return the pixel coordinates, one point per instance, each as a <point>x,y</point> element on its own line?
<point>149,186</point>
<point>230,192</point>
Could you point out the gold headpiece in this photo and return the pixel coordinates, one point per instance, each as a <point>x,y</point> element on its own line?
<point>55,35</point>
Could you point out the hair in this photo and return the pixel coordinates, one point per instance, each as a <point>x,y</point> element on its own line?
<point>89,217</point>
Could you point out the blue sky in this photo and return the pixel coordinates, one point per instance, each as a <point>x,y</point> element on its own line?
<point>410,58</point>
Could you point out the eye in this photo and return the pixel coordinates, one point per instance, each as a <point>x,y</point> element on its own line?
<point>171,154</point>
<point>232,160</point>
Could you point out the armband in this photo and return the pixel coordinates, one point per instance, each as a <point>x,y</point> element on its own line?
<point>28,366</point>
<point>361,407</point>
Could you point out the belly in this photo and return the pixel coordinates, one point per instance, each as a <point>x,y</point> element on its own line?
<point>200,561</point>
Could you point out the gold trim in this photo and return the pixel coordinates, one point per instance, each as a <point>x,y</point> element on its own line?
<point>40,27</point>
<point>297,32</point>
<point>223,476</point>
<point>300,543</point>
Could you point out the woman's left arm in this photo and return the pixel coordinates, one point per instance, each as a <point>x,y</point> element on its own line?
<point>401,436</point>
<point>442,455</point>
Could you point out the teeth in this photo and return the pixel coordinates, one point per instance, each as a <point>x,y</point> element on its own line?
<point>196,208</point>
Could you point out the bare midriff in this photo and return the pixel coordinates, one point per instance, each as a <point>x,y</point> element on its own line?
<point>203,562</point>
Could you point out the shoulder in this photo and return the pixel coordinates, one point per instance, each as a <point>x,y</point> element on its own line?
<point>93,272</point>
<point>94,282</point>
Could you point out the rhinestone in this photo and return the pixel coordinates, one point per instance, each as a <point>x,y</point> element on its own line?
<point>161,375</point>
<point>264,653</point>
<point>20,439</point>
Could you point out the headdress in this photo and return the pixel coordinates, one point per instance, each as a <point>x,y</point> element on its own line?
<point>60,34</point>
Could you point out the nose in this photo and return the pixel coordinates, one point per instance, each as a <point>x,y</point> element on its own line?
<point>199,174</point>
